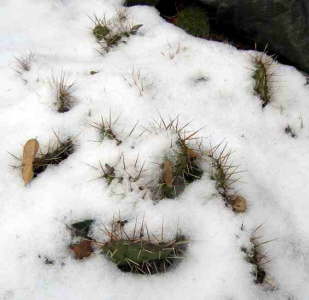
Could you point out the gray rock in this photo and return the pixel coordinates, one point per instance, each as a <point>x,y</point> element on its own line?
<point>283,25</point>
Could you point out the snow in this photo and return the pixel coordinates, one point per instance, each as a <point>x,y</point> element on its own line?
<point>223,106</point>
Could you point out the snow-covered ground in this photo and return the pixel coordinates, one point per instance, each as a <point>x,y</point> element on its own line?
<point>206,83</point>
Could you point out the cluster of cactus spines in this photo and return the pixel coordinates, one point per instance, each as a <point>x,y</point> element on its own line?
<point>101,27</point>
<point>181,167</point>
<point>105,129</point>
<point>224,174</point>
<point>139,254</point>
<point>255,256</point>
<point>64,98</point>
<point>263,77</point>
<point>108,173</point>
<point>109,33</point>
<point>180,171</point>
<point>54,155</point>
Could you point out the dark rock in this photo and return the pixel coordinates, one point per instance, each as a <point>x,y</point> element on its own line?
<point>282,25</point>
<point>141,2</point>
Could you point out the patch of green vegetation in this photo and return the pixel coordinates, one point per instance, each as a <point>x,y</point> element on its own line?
<point>144,256</point>
<point>110,33</point>
<point>194,20</point>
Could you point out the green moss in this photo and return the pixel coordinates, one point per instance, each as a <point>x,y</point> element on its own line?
<point>141,2</point>
<point>194,20</point>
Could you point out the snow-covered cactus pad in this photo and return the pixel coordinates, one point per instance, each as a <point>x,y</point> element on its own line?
<point>143,255</point>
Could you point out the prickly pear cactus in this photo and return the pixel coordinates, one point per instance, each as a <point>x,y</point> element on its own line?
<point>144,256</point>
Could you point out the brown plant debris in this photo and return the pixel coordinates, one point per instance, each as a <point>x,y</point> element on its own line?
<point>30,150</point>
<point>82,249</point>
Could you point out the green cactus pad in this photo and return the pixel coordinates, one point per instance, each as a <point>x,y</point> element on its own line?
<point>143,256</point>
<point>261,79</point>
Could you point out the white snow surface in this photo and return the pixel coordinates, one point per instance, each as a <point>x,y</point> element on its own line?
<point>34,218</point>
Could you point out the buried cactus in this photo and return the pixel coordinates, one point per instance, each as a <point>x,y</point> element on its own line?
<point>263,77</point>
<point>143,255</point>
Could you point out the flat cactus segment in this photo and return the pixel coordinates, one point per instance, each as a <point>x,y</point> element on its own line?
<point>144,256</point>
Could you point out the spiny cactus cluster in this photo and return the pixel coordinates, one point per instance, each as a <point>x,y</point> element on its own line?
<point>110,33</point>
<point>262,76</point>
<point>179,170</point>
<point>54,155</point>
<point>138,254</point>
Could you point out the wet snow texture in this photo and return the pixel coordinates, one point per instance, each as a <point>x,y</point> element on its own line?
<point>33,219</point>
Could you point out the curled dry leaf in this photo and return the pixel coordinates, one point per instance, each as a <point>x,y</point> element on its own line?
<point>30,150</point>
<point>239,204</point>
<point>82,249</point>
<point>168,173</point>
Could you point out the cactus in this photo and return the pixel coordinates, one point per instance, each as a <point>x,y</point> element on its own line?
<point>110,33</point>
<point>262,77</point>
<point>183,170</point>
<point>53,156</point>
<point>141,255</point>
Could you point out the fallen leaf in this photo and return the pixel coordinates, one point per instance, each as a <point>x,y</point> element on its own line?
<point>30,150</point>
<point>82,249</point>
<point>239,204</point>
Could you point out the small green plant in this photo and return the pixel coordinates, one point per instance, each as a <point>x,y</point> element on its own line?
<point>110,33</point>
<point>64,98</point>
<point>105,129</point>
<point>194,20</point>
<point>262,76</point>
<point>54,155</point>
<point>143,255</point>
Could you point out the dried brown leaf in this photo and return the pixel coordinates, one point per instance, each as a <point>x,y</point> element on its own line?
<point>82,249</point>
<point>239,204</point>
<point>30,150</point>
